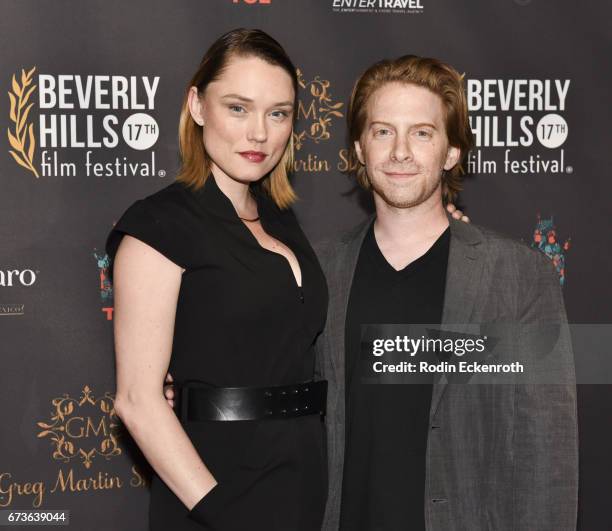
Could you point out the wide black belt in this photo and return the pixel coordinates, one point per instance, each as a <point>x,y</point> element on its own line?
<point>200,401</point>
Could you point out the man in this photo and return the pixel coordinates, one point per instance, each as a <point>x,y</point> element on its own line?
<point>437,456</point>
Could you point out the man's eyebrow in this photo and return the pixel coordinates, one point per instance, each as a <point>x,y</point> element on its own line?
<point>249,100</point>
<point>420,124</point>
<point>425,124</point>
<point>380,122</point>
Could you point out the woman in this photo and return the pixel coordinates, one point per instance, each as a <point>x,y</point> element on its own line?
<point>215,282</point>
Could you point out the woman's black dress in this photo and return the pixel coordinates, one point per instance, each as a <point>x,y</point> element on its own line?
<point>241,320</point>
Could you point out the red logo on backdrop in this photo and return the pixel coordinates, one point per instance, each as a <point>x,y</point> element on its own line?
<point>252,2</point>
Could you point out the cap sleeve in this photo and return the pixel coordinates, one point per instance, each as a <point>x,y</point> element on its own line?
<point>149,226</point>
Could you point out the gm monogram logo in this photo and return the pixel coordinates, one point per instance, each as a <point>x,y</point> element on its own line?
<point>83,428</point>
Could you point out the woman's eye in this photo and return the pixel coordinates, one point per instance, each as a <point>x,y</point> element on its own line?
<point>237,108</point>
<point>382,132</point>
<point>423,133</point>
<point>280,114</point>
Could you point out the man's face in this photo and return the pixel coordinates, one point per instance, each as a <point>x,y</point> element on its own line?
<point>404,145</point>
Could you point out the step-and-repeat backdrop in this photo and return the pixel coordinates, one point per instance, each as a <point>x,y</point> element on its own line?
<point>91,93</point>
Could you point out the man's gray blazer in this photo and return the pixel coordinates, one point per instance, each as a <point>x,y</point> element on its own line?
<point>499,457</point>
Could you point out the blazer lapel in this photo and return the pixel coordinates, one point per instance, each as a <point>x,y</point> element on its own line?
<point>343,275</point>
<point>463,275</point>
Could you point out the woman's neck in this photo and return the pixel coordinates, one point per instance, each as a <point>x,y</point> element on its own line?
<point>237,192</point>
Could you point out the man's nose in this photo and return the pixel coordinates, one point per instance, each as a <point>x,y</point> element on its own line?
<point>401,149</point>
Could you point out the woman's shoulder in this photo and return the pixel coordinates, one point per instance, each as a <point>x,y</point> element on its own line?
<point>169,199</point>
<point>160,220</point>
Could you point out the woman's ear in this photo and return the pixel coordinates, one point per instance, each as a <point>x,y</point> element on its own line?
<point>195,106</point>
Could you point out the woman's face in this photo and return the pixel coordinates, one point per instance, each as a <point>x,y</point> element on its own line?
<point>247,117</point>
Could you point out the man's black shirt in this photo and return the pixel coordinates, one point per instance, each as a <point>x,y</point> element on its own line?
<point>387,425</point>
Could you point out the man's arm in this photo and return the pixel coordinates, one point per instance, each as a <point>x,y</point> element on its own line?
<point>545,441</point>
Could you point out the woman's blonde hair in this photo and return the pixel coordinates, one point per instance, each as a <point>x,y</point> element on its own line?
<point>441,79</point>
<point>195,162</point>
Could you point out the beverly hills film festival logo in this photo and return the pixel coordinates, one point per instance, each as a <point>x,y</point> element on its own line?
<point>67,125</point>
<point>519,126</point>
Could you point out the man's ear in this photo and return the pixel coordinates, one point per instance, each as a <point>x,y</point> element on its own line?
<point>452,157</point>
<point>359,152</point>
<point>195,106</point>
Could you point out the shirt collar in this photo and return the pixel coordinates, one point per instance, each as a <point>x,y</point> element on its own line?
<point>212,198</point>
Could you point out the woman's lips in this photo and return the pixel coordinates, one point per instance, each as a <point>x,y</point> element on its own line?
<point>253,156</point>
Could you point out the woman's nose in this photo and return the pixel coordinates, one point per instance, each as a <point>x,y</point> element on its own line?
<point>257,129</point>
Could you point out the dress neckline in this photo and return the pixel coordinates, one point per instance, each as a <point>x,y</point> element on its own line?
<point>215,202</point>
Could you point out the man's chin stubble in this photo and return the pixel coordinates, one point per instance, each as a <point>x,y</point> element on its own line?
<point>402,203</point>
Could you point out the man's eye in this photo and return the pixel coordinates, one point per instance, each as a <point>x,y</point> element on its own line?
<point>424,133</point>
<point>237,108</point>
<point>382,132</point>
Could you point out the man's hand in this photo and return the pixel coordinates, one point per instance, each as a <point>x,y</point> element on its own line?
<point>169,390</point>
<point>456,213</point>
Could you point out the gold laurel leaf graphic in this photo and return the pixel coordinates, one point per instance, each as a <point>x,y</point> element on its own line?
<point>25,80</point>
<point>22,139</point>
<point>16,88</point>
<point>27,96</point>
<point>14,142</point>
<point>18,160</point>
<point>19,99</point>
<point>24,117</point>
<point>12,114</point>
<point>32,142</point>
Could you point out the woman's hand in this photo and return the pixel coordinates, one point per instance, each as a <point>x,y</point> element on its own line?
<point>456,213</point>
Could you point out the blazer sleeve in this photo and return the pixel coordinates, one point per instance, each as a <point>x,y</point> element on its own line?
<point>150,224</point>
<point>545,440</point>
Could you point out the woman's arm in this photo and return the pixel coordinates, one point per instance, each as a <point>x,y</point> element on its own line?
<point>146,286</point>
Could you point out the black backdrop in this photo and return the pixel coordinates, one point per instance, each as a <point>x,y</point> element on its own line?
<point>538,83</point>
